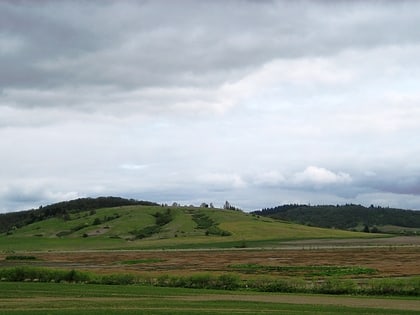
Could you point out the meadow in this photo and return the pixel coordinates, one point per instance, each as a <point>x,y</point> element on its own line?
<point>56,298</point>
<point>156,227</point>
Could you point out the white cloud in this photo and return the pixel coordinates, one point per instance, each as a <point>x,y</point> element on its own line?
<point>133,167</point>
<point>222,181</point>
<point>319,176</point>
<point>268,178</point>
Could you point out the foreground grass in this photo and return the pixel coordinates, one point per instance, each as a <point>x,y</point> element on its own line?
<point>59,298</point>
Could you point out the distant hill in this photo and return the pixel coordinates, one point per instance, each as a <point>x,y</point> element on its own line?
<point>116,223</point>
<point>63,209</point>
<point>348,217</point>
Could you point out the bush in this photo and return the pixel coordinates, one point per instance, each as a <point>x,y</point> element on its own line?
<point>97,221</point>
<point>228,282</point>
<point>337,286</point>
<point>18,274</point>
<point>206,223</point>
<point>161,219</point>
<point>393,287</point>
<point>278,285</point>
<point>200,281</point>
<point>118,279</point>
<point>215,230</point>
<point>20,257</point>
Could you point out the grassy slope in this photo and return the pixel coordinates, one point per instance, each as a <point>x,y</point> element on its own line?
<point>181,232</point>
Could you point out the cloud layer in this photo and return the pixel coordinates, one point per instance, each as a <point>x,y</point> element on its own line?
<point>255,102</point>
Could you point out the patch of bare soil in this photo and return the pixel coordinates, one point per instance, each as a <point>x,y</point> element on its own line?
<point>359,242</point>
<point>388,261</point>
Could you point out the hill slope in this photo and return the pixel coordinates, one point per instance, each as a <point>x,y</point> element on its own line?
<point>151,226</point>
<point>348,217</point>
<point>62,209</point>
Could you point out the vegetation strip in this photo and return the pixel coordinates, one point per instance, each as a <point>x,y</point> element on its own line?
<point>20,257</point>
<point>227,281</point>
<point>141,261</point>
<point>306,270</point>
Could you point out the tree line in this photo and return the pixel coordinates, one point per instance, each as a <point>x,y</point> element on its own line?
<point>346,216</point>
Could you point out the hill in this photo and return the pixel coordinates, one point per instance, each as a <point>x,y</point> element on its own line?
<point>150,226</point>
<point>350,217</point>
<point>62,209</point>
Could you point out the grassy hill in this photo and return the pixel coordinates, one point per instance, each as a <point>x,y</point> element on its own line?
<point>349,217</point>
<point>153,226</point>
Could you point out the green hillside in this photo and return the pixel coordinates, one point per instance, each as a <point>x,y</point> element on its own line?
<point>63,209</point>
<point>153,226</point>
<point>349,217</point>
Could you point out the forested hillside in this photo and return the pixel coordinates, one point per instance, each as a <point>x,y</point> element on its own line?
<point>63,209</point>
<point>344,217</point>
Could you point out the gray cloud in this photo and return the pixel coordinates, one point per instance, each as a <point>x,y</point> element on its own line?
<point>258,102</point>
<point>143,44</point>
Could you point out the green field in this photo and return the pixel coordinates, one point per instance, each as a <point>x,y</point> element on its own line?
<point>137,227</point>
<point>55,298</point>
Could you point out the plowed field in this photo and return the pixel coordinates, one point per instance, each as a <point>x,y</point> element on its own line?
<point>387,261</point>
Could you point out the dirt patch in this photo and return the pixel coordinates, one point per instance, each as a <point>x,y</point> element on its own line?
<point>392,261</point>
<point>357,242</point>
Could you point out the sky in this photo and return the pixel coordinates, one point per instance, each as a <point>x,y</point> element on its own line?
<point>260,103</point>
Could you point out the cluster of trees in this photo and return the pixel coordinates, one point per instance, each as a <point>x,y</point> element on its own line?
<point>161,219</point>
<point>344,217</point>
<point>226,205</point>
<point>204,222</point>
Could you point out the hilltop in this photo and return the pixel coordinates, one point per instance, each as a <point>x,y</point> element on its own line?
<point>131,224</point>
<point>348,217</point>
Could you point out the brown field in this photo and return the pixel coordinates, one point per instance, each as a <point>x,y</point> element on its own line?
<point>389,261</point>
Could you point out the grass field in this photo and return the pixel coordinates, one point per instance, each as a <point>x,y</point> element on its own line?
<point>42,298</point>
<point>116,228</point>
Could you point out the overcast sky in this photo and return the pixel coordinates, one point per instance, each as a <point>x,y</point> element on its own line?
<point>257,102</point>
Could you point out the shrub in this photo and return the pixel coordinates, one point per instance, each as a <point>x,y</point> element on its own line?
<point>163,218</point>
<point>393,287</point>
<point>97,221</point>
<point>20,257</point>
<point>118,279</point>
<point>200,281</point>
<point>337,286</point>
<point>228,282</point>
<point>278,285</point>
<point>23,273</point>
